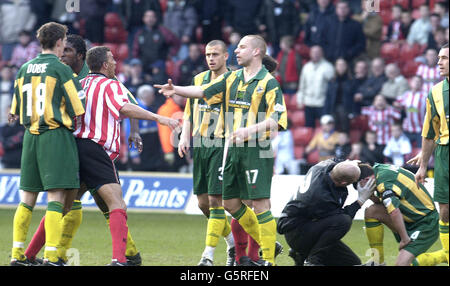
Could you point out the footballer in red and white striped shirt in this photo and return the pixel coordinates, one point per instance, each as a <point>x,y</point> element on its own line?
<point>414,104</point>
<point>101,122</point>
<point>381,117</point>
<point>429,71</point>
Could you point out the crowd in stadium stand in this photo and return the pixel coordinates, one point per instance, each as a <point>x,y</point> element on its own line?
<point>354,78</point>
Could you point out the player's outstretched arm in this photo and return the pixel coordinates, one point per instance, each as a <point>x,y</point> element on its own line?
<point>136,112</point>
<point>169,90</point>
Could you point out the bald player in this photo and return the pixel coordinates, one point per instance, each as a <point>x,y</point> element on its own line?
<point>255,108</point>
<point>315,220</point>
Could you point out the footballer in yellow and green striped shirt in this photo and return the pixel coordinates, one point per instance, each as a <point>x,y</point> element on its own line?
<point>409,211</point>
<point>46,95</point>
<point>254,106</point>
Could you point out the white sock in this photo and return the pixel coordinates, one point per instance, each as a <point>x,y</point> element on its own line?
<point>209,252</point>
<point>229,240</point>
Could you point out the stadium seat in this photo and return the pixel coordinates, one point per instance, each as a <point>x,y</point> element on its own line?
<point>297,118</point>
<point>409,68</point>
<point>303,50</point>
<point>386,16</point>
<point>355,135</point>
<point>385,5</point>
<point>390,52</point>
<point>302,135</point>
<point>359,122</point>
<point>298,152</point>
<point>404,3</point>
<point>163,4</point>
<point>409,52</point>
<point>415,14</point>
<point>313,157</point>
<point>417,3</point>
<point>113,20</point>
<point>122,51</point>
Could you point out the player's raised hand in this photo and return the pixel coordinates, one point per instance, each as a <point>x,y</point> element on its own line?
<point>417,160</point>
<point>167,89</point>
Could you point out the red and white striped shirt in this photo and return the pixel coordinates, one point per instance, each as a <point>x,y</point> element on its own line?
<point>101,122</point>
<point>430,76</point>
<point>414,104</point>
<point>380,121</point>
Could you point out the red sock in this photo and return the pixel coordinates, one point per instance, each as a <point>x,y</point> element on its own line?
<point>253,249</point>
<point>37,242</point>
<point>119,230</point>
<point>240,239</point>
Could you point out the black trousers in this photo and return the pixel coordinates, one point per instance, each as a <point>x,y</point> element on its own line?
<point>320,242</point>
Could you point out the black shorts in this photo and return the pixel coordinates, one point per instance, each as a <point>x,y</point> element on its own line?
<point>96,168</point>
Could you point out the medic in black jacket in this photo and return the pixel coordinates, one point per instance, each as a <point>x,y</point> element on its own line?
<point>315,220</point>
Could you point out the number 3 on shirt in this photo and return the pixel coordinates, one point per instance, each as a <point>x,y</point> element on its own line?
<point>40,98</point>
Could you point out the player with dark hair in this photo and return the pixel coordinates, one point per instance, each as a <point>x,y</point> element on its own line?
<point>435,138</point>
<point>315,220</point>
<point>408,210</point>
<point>74,55</point>
<point>98,142</point>
<point>206,123</point>
<point>47,98</point>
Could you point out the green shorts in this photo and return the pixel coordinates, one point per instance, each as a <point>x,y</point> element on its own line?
<point>441,179</point>
<point>207,170</point>
<point>49,161</point>
<point>248,171</point>
<point>423,234</point>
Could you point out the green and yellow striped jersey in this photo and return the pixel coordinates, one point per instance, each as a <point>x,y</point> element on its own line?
<point>248,102</point>
<point>46,95</point>
<point>396,188</point>
<point>435,124</point>
<point>206,120</point>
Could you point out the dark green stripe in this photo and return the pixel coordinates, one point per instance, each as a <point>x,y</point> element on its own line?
<point>55,207</point>
<point>237,215</point>
<point>26,206</point>
<point>370,224</point>
<point>264,217</point>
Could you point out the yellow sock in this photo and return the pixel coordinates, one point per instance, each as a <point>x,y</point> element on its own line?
<point>53,230</point>
<point>131,246</point>
<point>268,228</point>
<point>375,235</point>
<point>131,249</point>
<point>430,258</point>
<point>21,223</point>
<point>215,226</point>
<point>70,224</point>
<point>248,220</point>
<point>443,235</point>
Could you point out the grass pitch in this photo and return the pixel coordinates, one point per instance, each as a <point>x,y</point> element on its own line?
<point>167,239</point>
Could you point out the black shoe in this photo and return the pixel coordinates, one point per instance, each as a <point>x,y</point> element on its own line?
<point>134,260</point>
<point>245,261</point>
<point>114,262</point>
<point>262,262</point>
<point>297,258</point>
<point>278,249</point>
<point>36,261</point>
<point>47,262</point>
<point>231,256</point>
<point>205,262</point>
<point>16,262</point>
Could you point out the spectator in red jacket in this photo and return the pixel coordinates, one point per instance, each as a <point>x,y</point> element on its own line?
<point>290,64</point>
